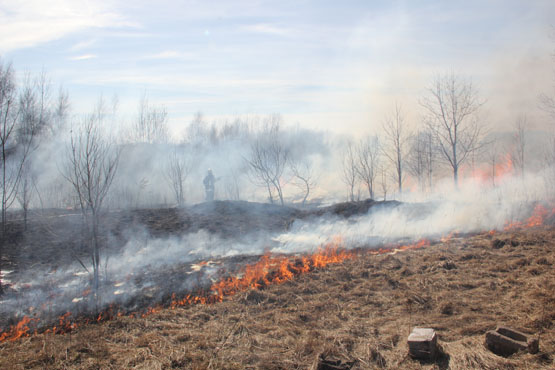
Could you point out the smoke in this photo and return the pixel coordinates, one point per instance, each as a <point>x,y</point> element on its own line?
<point>142,268</point>
<point>148,269</point>
<point>473,207</point>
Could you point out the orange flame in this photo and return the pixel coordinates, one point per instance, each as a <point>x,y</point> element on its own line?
<point>268,270</point>
<point>537,218</point>
<point>21,329</point>
<point>485,173</point>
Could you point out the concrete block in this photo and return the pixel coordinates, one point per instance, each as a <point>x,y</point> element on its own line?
<point>423,343</point>
<point>505,341</point>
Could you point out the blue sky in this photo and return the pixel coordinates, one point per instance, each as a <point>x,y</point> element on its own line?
<point>328,64</point>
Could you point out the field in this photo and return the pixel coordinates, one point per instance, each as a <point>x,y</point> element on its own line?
<point>354,314</point>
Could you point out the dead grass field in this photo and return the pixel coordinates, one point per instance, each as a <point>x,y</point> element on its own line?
<point>357,314</point>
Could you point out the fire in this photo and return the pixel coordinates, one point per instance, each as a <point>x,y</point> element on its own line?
<point>487,173</point>
<point>268,270</point>
<point>537,218</point>
<point>18,331</point>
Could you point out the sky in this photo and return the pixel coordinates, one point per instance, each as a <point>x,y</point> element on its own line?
<point>331,65</point>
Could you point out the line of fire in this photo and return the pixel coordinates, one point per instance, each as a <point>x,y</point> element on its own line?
<point>269,269</point>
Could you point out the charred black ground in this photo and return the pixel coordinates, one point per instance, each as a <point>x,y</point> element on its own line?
<point>52,238</point>
<point>52,241</point>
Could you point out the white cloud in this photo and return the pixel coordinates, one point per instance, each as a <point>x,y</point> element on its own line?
<point>83,45</point>
<point>84,57</point>
<point>27,23</point>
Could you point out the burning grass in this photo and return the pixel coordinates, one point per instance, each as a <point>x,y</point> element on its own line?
<point>355,313</point>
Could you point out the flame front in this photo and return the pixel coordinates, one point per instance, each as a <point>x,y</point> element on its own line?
<point>537,218</point>
<point>268,270</point>
<point>18,331</point>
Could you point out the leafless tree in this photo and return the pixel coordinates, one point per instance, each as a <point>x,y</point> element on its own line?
<point>519,145</point>
<point>421,158</point>
<point>197,131</point>
<point>303,177</point>
<point>547,104</point>
<point>151,125</point>
<point>9,114</point>
<point>91,167</point>
<point>60,112</point>
<point>35,120</point>
<point>368,161</point>
<point>349,168</point>
<point>383,181</point>
<point>268,159</point>
<point>27,186</point>
<point>452,104</point>
<point>232,184</point>
<point>176,174</point>
<point>21,118</point>
<point>396,138</point>
<point>493,156</point>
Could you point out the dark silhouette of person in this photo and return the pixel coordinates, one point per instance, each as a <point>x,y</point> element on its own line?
<point>209,185</point>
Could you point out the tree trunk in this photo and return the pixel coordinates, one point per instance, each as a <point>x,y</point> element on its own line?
<point>270,194</point>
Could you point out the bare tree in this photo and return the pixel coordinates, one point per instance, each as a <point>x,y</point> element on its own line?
<point>492,156</point>
<point>91,167</point>
<point>9,114</point>
<point>519,144</point>
<point>151,125</point>
<point>19,125</point>
<point>350,171</point>
<point>27,186</point>
<point>35,120</point>
<point>421,158</point>
<point>396,137</point>
<point>452,104</point>
<point>368,161</point>
<point>303,176</point>
<point>232,184</point>
<point>176,174</point>
<point>197,131</point>
<point>60,112</point>
<point>383,181</point>
<point>268,159</point>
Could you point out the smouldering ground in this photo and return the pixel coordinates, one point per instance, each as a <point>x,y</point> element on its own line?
<point>359,312</point>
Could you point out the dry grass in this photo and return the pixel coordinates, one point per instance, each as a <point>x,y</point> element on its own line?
<point>358,313</point>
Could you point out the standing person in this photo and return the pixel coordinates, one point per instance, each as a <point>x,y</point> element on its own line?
<point>209,184</point>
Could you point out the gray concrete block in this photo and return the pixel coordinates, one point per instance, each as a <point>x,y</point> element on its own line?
<point>505,341</point>
<point>423,343</point>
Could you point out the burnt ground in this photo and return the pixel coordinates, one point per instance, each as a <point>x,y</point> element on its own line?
<point>45,280</point>
<point>357,314</point>
<point>53,237</point>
